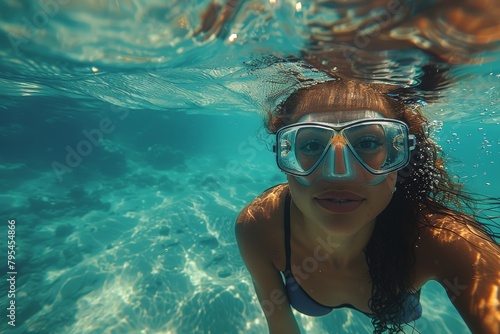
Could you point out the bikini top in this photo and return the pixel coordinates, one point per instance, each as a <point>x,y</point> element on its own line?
<point>302,302</point>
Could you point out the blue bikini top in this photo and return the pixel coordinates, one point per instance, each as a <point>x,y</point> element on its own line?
<point>302,302</point>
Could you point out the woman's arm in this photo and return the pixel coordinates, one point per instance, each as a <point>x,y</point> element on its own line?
<point>467,264</point>
<point>255,251</point>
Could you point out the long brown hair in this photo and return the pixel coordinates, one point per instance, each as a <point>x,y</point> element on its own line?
<point>423,187</point>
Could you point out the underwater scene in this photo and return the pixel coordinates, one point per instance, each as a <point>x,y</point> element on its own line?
<point>132,134</point>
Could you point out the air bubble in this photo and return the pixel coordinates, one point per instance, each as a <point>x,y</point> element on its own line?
<point>233,37</point>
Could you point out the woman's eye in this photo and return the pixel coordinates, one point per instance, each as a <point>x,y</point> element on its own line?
<point>368,144</point>
<point>312,147</point>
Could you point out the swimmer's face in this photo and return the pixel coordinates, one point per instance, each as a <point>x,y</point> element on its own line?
<point>340,205</point>
<point>341,145</point>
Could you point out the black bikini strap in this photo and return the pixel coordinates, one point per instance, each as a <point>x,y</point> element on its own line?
<point>287,231</point>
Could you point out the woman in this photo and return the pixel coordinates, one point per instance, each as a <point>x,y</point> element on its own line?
<point>367,217</point>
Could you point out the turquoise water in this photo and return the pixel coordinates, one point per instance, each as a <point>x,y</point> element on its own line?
<point>129,147</point>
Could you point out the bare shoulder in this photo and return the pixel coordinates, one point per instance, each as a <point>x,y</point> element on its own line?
<point>447,242</point>
<point>260,236</point>
<point>264,207</point>
<point>459,255</point>
<point>259,226</point>
<point>448,233</point>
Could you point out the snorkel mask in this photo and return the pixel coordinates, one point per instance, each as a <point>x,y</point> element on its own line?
<point>315,148</point>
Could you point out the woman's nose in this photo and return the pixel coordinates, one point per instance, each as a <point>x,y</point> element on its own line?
<point>338,161</point>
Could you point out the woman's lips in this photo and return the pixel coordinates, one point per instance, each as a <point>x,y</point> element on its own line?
<point>339,202</point>
<point>340,195</point>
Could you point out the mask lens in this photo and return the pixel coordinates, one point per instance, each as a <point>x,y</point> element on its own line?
<point>311,144</point>
<point>369,144</point>
<point>300,148</point>
<point>379,146</point>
